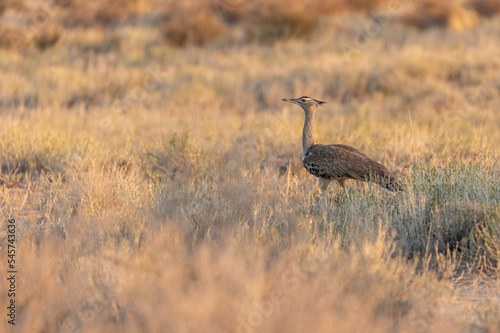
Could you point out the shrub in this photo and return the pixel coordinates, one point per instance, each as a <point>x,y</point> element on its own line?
<point>268,22</point>
<point>105,12</point>
<point>15,5</point>
<point>47,37</point>
<point>110,11</point>
<point>40,152</point>
<point>230,11</point>
<point>13,39</point>
<point>487,8</point>
<point>170,158</point>
<point>363,5</point>
<point>326,7</point>
<point>431,13</point>
<point>190,26</point>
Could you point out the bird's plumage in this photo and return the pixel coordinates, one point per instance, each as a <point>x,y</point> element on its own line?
<point>341,162</point>
<point>338,162</point>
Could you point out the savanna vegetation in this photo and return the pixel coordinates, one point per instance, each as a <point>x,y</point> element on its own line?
<point>155,175</point>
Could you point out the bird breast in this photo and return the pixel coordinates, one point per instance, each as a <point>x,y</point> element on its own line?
<point>305,155</point>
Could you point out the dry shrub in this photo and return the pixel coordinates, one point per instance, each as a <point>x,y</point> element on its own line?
<point>363,5</point>
<point>327,7</point>
<point>431,13</point>
<point>271,21</point>
<point>41,152</point>
<point>487,8</point>
<point>64,3</point>
<point>230,11</point>
<point>47,37</point>
<point>192,24</point>
<point>488,236</point>
<point>11,38</point>
<point>105,194</point>
<point>78,13</point>
<point>170,158</point>
<point>111,11</point>
<point>331,6</point>
<point>15,5</point>
<point>455,223</point>
<point>89,12</point>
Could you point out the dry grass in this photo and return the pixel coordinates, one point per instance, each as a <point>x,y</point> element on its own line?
<point>113,11</point>
<point>269,21</point>
<point>16,5</point>
<point>47,37</point>
<point>432,13</point>
<point>223,22</point>
<point>192,23</point>
<point>12,38</point>
<point>161,188</point>
<point>487,8</point>
<point>103,12</point>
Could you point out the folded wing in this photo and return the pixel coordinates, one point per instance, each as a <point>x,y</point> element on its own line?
<point>345,162</point>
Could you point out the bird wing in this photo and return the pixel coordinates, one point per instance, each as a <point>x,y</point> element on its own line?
<point>342,162</point>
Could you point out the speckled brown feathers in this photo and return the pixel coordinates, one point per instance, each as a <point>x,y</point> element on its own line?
<point>341,162</point>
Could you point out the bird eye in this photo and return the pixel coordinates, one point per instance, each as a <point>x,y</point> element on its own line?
<point>304,100</point>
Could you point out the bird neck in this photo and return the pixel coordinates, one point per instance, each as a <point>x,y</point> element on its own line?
<point>308,139</point>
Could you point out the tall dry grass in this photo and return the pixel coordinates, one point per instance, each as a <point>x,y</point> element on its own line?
<point>159,188</point>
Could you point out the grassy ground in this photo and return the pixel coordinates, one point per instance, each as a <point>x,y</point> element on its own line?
<point>158,188</point>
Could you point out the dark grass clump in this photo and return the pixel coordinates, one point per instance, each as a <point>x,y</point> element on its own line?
<point>486,8</point>
<point>186,25</point>
<point>268,22</point>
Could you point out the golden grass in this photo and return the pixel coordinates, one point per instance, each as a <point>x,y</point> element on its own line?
<point>159,188</point>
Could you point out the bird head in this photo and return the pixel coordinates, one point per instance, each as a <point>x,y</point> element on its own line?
<point>307,103</point>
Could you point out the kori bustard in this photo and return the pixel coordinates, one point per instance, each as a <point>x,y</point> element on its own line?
<point>337,162</point>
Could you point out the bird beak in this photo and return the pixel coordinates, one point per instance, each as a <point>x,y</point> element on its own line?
<point>291,100</point>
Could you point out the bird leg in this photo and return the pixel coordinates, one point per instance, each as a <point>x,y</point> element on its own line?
<point>388,193</point>
<point>323,184</point>
<point>342,183</point>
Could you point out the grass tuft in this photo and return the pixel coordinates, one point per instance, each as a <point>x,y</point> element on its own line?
<point>269,22</point>
<point>486,8</point>
<point>186,26</point>
<point>47,37</point>
<point>431,13</point>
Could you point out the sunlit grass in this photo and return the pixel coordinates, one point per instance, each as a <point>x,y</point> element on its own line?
<point>161,188</point>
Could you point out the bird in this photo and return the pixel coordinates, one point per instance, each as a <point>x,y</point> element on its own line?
<point>338,162</point>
